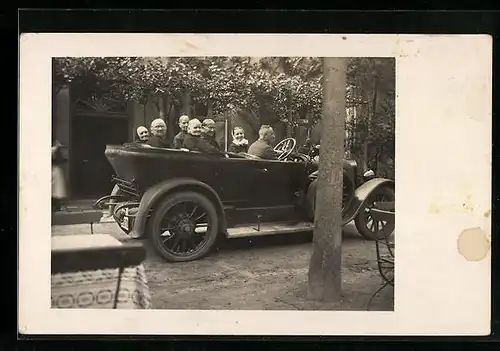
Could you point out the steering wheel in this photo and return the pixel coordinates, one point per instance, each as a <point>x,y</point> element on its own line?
<point>285,147</point>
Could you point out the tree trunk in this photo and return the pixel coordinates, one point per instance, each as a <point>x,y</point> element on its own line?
<point>144,108</point>
<point>371,118</point>
<point>186,103</point>
<point>374,101</point>
<point>169,119</point>
<point>364,159</point>
<point>310,124</point>
<point>325,283</point>
<point>158,103</point>
<point>289,129</point>
<point>210,109</point>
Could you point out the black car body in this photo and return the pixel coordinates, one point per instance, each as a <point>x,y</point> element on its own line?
<point>241,195</point>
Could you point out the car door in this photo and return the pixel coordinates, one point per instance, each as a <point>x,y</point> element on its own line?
<point>238,182</point>
<point>259,190</point>
<point>278,182</point>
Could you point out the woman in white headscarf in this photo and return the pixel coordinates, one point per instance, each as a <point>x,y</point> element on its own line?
<point>239,143</point>
<point>59,190</point>
<point>142,135</point>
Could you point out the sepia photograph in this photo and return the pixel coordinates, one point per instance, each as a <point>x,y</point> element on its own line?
<point>212,163</point>
<point>246,184</point>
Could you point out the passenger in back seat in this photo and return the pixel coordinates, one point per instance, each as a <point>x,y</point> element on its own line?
<point>158,133</point>
<point>194,142</point>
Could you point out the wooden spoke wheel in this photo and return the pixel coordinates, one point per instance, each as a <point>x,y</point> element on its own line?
<point>184,226</point>
<point>366,225</point>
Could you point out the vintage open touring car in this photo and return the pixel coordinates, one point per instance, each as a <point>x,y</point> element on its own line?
<point>183,200</point>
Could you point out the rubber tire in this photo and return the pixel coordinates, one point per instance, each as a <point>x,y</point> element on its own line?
<point>310,204</point>
<point>311,198</point>
<point>359,220</point>
<point>169,201</point>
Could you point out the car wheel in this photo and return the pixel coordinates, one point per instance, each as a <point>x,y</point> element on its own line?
<point>184,227</point>
<point>347,196</point>
<point>364,221</point>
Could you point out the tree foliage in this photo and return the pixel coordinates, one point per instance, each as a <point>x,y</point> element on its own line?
<point>372,92</point>
<point>220,81</point>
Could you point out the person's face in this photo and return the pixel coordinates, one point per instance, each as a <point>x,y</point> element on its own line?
<point>271,137</point>
<point>210,129</point>
<point>159,129</point>
<point>143,134</point>
<point>183,123</point>
<point>238,134</point>
<point>195,129</point>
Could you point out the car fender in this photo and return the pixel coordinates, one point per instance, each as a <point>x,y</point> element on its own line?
<point>156,192</point>
<point>361,194</point>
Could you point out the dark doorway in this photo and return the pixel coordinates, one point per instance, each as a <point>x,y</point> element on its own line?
<point>91,173</point>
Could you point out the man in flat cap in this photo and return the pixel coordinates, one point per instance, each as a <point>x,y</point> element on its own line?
<point>208,132</point>
<point>179,138</point>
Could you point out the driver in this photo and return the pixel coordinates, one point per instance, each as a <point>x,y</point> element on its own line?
<point>194,142</point>
<point>262,146</point>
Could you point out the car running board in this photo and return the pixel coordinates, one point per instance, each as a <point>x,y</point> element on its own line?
<point>269,229</point>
